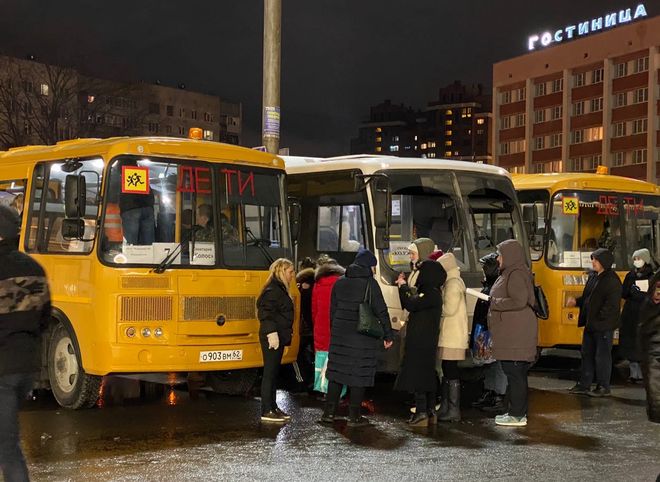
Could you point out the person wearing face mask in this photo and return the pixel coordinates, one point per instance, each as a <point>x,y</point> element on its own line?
<point>649,329</point>
<point>635,286</point>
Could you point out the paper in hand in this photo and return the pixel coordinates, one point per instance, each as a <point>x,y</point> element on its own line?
<point>477,294</point>
<point>643,285</point>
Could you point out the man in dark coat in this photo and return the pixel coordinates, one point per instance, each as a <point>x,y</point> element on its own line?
<point>353,356</point>
<point>417,372</point>
<point>305,282</point>
<point>649,330</point>
<point>599,315</point>
<point>24,314</point>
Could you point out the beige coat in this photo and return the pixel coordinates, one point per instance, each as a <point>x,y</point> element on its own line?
<point>453,340</point>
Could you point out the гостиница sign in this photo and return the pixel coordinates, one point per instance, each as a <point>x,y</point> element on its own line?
<point>584,28</point>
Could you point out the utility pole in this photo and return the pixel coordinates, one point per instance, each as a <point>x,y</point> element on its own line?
<point>270,133</point>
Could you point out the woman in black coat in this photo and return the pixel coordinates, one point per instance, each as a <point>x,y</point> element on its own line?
<point>417,372</point>
<point>352,357</point>
<point>649,330</point>
<point>275,313</point>
<point>629,348</point>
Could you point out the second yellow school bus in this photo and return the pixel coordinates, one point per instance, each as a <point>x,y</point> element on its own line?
<point>155,249</point>
<point>567,217</point>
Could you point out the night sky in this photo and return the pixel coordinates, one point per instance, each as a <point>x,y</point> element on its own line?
<point>339,57</point>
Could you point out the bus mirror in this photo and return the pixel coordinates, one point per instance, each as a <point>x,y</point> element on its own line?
<point>73,229</point>
<point>295,212</point>
<point>75,190</point>
<point>530,219</point>
<point>382,198</point>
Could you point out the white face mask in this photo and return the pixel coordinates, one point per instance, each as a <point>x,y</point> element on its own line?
<point>638,263</point>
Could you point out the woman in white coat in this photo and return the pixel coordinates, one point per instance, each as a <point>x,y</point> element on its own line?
<point>453,340</point>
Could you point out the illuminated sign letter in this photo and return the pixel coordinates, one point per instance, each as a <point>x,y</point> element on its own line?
<point>546,39</point>
<point>186,179</point>
<point>583,28</point>
<point>610,20</point>
<point>597,24</point>
<point>229,172</point>
<point>624,16</point>
<point>201,180</point>
<point>532,40</point>
<point>559,36</point>
<point>242,185</point>
<point>569,31</point>
<point>640,11</point>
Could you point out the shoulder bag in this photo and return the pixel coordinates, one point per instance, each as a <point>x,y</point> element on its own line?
<point>368,323</point>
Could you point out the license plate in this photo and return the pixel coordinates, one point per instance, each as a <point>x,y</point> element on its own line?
<point>220,356</point>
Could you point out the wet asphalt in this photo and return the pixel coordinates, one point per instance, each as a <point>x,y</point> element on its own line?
<point>176,436</point>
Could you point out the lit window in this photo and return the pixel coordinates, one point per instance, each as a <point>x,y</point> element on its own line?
<point>431,145</point>
<point>448,112</point>
<point>378,148</point>
<point>431,154</point>
<point>44,88</point>
<point>423,146</point>
<point>480,121</point>
<point>447,153</point>
<point>208,135</point>
<point>456,153</point>
<point>449,122</point>
<point>448,143</point>
<point>415,137</point>
<point>378,129</point>
<point>394,148</point>
<point>448,132</point>
<point>379,139</point>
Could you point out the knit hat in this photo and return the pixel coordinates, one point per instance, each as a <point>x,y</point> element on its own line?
<point>364,257</point>
<point>423,247</point>
<point>604,257</point>
<point>9,223</point>
<point>643,254</point>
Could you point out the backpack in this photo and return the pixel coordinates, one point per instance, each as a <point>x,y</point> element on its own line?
<point>540,306</point>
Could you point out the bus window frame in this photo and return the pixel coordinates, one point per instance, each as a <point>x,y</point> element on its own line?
<point>39,241</point>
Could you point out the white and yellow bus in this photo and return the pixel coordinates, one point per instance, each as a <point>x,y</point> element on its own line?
<point>570,215</point>
<point>155,249</point>
<point>384,203</point>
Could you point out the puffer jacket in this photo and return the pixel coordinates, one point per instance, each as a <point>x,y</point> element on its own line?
<point>649,330</point>
<point>511,320</point>
<point>24,310</point>
<point>454,322</point>
<point>275,312</point>
<point>601,299</point>
<point>325,278</point>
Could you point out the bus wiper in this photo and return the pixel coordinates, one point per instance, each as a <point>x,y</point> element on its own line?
<point>259,244</point>
<point>168,260</point>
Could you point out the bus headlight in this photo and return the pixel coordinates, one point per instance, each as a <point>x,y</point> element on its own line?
<point>146,332</point>
<point>130,331</point>
<point>158,332</point>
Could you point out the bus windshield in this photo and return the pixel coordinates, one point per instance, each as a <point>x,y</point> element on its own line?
<point>193,213</point>
<point>582,221</point>
<point>441,204</point>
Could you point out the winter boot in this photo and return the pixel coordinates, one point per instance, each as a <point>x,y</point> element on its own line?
<point>430,408</point>
<point>444,397</point>
<point>419,420</point>
<point>354,417</point>
<point>453,413</point>
<point>484,400</point>
<point>329,413</point>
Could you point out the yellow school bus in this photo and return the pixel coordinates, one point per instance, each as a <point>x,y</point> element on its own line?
<point>567,217</point>
<point>156,250</point>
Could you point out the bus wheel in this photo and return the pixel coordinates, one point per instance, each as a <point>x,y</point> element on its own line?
<point>233,382</point>
<point>71,386</point>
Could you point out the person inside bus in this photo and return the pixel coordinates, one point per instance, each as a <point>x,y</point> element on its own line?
<point>204,231</point>
<point>599,315</point>
<point>137,218</point>
<point>635,286</point>
<point>347,243</point>
<point>229,232</point>
<point>17,203</point>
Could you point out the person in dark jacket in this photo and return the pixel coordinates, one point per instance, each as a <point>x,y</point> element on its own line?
<point>305,283</point>
<point>275,311</point>
<point>514,328</point>
<point>599,315</point>
<point>492,397</point>
<point>649,329</point>
<point>325,278</point>
<point>629,348</point>
<point>353,356</point>
<point>24,314</point>
<point>417,373</point>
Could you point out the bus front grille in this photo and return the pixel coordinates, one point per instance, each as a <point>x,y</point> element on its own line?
<point>209,307</point>
<point>146,308</point>
<point>145,282</point>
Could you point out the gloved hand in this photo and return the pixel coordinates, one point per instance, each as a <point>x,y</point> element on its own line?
<point>273,340</point>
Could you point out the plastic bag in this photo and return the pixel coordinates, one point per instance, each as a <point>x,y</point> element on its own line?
<point>482,350</point>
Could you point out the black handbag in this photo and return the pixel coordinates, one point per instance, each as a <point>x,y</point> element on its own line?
<point>541,309</point>
<point>368,323</point>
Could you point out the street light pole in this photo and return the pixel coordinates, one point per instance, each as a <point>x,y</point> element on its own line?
<point>270,133</point>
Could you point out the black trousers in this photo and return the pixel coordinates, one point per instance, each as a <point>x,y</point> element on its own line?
<point>272,362</point>
<point>596,358</point>
<point>13,389</point>
<point>450,369</point>
<point>516,375</point>
<point>355,394</point>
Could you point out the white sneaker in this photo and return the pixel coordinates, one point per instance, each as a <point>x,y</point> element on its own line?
<point>507,420</point>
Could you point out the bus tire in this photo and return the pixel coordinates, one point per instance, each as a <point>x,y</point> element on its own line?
<point>71,386</point>
<point>233,382</point>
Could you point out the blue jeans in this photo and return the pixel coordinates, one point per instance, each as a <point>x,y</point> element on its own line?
<point>139,226</point>
<point>596,358</point>
<point>13,389</point>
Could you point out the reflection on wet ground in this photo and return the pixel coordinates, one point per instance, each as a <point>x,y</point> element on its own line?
<point>175,436</point>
